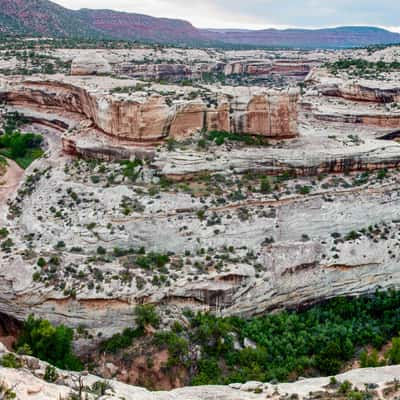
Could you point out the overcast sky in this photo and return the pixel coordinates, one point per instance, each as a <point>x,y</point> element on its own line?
<point>258,14</point>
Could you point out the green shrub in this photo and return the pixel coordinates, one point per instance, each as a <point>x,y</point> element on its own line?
<point>3,233</point>
<point>50,374</point>
<point>345,387</point>
<point>152,260</point>
<point>370,360</point>
<point>24,350</point>
<point>209,372</point>
<point>54,260</point>
<point>95,179</point>
<point>178,347</point>
<point>10,361</point>
<point>130,169</point>
<point>265,186</point>
<point>329,360</point>
<point>36,276</point>
<point>353,235</point>
<point>60,244</point>
<point>100,387</point>
<point>220,137</point>
<point>201,215</point>
<point>101,250</point>
<point>146,315</point>
<point>304,190</point>
<point>121,340</point>
<point>7,244</point>
<point>6,393</point>
<point>382,174</point>
<point>393,354</point>
<point>41,262</point>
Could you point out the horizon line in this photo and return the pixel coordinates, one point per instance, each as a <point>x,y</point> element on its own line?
<point>250,27</point>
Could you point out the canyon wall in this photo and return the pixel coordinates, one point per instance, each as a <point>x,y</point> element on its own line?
<point>378,120</point>
<point>270,113</point>
<point>262,68</point>
<point>170,70</point>
<point>361,92</point>
<point>352,100</point>
<point>356,89</point>
<point>157,71</point>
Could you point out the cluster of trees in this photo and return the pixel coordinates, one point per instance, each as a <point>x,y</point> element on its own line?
<point>21,147</point>
<point>362,66</point>
<point>284,346</point>
<point>315,342</point>
<point>318,341</point>
<point>49,343</point>
<point>373,359</point>
<point>220,137</point>
<point>19,144</point>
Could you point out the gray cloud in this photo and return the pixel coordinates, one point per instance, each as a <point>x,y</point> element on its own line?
<point>260,13</point>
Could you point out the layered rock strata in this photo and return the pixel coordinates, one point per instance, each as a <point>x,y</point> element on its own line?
<point>326,157</point>
<point>162,69</point>
<point>292,238</point>
<point>264,68</point>
<point>269,113</point>
<point>361,90</point>
<point>353,101</point>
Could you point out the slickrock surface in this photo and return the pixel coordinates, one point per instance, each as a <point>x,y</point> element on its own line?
<point>27,383</point>
<point>295,257</point>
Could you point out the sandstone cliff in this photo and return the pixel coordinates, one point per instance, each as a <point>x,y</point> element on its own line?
<point>91,64</point>
<point>146,118</point>
<point>263,68</point>
<point>356,89</point>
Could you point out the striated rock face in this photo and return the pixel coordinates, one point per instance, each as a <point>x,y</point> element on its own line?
<point>133,120</point>
<point>363,92</point>
<point>188,118</point>
<point>348,101</point>
<point>378,120</point>
<point>271,115</point>
<point>156,71</point>
<point>177,71</point>
<point>90,65</point>
<point>149,118</point>
<point>356,90</point>
<point>218,119</point>
<point>301,264</point>
<point>263,68</point>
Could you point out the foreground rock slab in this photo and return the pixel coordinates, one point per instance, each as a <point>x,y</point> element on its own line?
<point>27,383</point>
